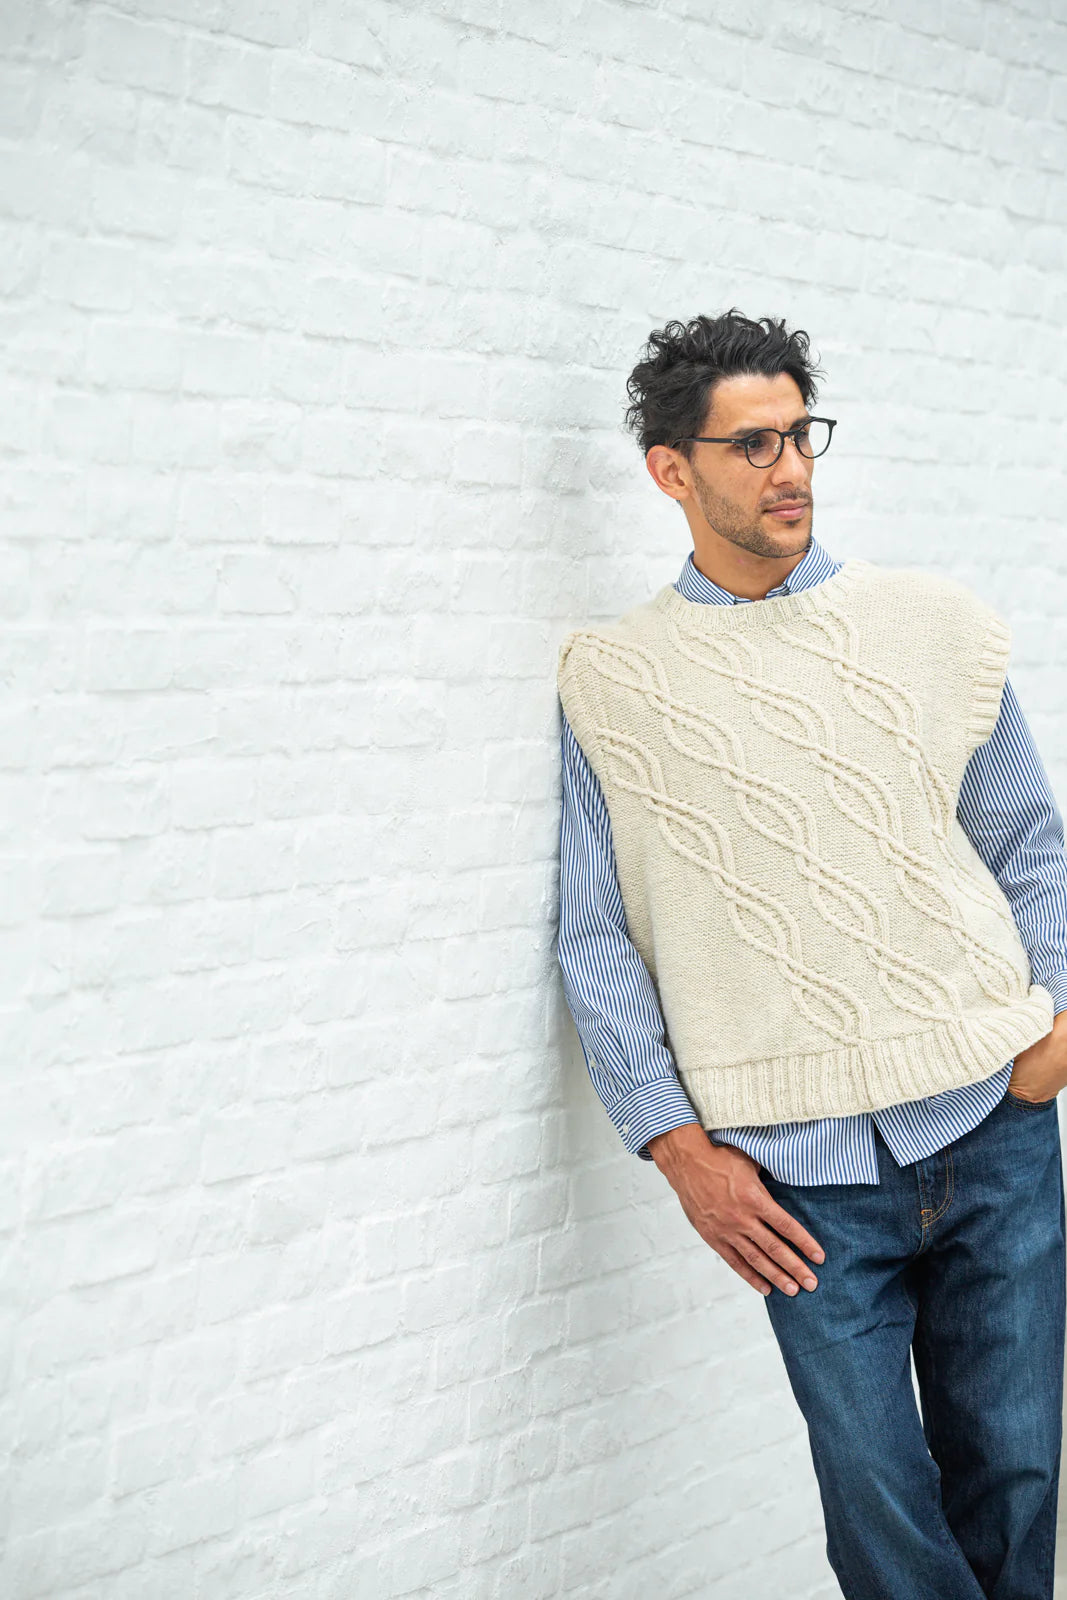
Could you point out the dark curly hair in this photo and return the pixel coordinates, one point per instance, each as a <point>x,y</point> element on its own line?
<point>671,386</point>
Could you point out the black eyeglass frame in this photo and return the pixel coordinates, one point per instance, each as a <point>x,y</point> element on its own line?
<point>790,433</point>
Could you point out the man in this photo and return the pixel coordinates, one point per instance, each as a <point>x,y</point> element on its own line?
<point>813,934</point>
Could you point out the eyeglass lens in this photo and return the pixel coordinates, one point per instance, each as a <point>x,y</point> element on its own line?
<point>762,447</point>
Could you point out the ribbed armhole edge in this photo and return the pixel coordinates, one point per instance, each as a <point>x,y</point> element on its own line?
<point>572,691</point>
<point>989,681</point>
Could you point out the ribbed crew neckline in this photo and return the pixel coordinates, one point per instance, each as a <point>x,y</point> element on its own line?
<point>754,614</point>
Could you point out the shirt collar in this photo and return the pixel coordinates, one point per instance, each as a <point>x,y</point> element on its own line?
<point>815,565</point>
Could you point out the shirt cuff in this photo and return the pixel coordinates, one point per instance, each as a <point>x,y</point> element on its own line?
<point>653,1108</point>
<point>1057,988</point>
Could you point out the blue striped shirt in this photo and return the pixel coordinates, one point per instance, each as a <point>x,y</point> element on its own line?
<point>1007,810</point>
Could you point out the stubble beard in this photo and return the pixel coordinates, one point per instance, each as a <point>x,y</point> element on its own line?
<point>740,528</point>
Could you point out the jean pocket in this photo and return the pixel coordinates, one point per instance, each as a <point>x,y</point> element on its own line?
<point>1028,1105</point>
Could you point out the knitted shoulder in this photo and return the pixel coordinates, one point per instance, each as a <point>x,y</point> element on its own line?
<point>954,633</point>
<point>640,622</point>
<point>938,594</point>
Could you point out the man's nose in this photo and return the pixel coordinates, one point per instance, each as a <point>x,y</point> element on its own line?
<point>790,461</point>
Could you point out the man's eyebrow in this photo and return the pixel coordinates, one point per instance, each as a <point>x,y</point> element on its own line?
<point>754,427</point>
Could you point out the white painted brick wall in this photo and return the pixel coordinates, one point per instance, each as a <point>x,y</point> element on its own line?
<point>326,1278</point>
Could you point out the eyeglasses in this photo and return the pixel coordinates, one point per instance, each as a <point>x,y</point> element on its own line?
<point>812,438</point>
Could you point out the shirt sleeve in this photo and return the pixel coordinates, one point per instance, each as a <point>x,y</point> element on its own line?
<point>1007,809</point>
<point>607,985</point>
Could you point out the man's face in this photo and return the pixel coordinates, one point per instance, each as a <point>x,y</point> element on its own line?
<point>736,499</point>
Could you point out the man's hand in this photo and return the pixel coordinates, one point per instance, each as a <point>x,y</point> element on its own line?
<point>1040,1071</point>
<point>731,1209</point>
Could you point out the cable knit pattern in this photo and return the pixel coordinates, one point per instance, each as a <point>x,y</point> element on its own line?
<point>781,780</point>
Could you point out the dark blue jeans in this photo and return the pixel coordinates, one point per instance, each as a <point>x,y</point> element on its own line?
<point>959,1258</point>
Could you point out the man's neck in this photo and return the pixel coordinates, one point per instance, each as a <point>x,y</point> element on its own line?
<point>749,577</point>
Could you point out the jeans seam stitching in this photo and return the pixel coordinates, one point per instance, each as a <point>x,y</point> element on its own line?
<point>950,1185</point>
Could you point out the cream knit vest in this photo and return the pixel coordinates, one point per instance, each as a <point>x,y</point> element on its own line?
<point>781,780</point>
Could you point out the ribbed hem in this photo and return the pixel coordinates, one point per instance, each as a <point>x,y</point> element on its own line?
<point>839,1083</point>
<point>989,681</point>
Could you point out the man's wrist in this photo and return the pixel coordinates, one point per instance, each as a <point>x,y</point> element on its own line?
<point>671,1149</point>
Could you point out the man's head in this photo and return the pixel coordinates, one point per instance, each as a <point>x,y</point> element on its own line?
<point>730,376</point>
